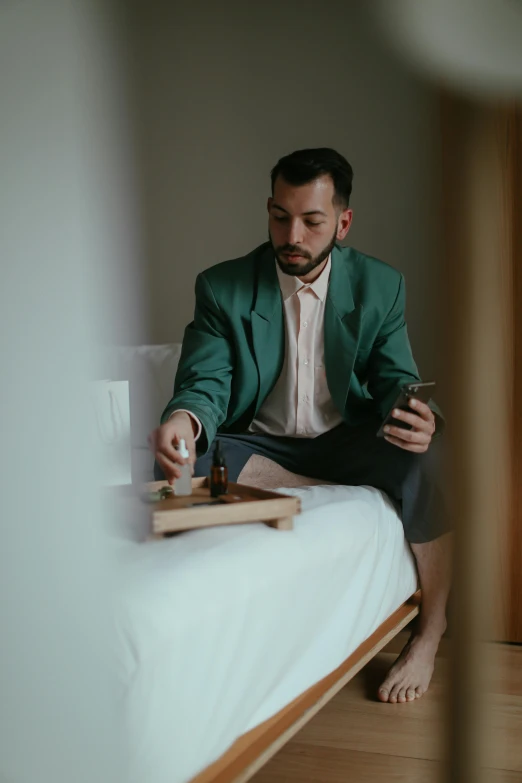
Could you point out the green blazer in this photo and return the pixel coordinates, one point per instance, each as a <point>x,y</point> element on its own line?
<point>233,350</point>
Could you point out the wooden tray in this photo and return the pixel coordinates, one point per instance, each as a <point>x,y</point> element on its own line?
<point>259,505</point>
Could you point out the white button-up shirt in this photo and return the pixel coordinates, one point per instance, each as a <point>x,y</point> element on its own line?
<point>300,404</point>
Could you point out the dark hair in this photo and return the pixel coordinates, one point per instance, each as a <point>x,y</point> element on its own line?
<point>303,166</point>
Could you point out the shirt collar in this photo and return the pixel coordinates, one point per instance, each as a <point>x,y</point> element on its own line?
<point>290,285</point>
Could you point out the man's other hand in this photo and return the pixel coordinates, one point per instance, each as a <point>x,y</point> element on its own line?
<point>419,438</point>
<point>163,442</point>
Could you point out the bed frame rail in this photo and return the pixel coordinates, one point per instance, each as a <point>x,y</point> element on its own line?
<point>252,750</point>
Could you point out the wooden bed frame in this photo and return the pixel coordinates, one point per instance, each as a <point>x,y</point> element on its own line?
<point>252,750</point>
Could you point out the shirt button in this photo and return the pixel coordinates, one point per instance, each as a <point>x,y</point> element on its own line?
<point>305,323</point>
<point>306,361</point>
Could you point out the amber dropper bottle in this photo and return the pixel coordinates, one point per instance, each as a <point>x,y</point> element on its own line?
<point>218,473</point>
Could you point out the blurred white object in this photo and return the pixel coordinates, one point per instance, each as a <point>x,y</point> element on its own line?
<point>471,45</point>
<point>69,249</point>
<point>183,485</point>
<point>111,412</point>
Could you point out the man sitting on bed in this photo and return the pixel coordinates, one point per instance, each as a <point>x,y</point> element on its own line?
<point>297,352</point>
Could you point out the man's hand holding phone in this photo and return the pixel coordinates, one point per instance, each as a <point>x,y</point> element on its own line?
<point>410,424</point>
<point>422,421</point>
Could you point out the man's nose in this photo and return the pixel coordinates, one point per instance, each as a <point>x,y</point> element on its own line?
<point>295,233</point>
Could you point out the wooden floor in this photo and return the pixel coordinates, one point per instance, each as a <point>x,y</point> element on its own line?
<point>356,738</point>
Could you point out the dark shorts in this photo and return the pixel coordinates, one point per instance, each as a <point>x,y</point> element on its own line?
<point>352,456</point>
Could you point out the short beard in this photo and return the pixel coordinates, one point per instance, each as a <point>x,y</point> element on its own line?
<point>301,270</point>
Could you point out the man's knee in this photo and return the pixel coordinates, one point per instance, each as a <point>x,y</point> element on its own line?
<point>264,473</point>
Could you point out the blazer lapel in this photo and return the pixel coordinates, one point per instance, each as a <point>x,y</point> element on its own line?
<point>267,326</point>
<point>342,326</point>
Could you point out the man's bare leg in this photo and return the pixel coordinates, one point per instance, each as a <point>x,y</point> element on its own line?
<point>409,677</point>
<point>262,472</point>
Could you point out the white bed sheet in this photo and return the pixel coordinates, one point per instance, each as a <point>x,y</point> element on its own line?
<point>221,628</point>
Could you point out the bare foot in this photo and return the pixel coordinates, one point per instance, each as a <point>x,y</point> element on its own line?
<point>410,675</point>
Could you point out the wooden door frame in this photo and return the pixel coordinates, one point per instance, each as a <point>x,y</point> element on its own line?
<point>511,146</point>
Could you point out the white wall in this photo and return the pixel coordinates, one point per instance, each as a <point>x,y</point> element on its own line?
<point>225,89</point>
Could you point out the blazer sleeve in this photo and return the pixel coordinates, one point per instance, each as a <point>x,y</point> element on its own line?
<point>203,379</point>
<point>391,362</point>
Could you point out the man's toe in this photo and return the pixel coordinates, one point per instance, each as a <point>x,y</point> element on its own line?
<point>383,694</point>
<point>419,692</point>
<point>410,694</point>
<point>394,694</point>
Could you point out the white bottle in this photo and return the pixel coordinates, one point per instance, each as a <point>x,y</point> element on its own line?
<point>183,485</point>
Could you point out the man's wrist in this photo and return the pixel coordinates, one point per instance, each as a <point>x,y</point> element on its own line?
<point>194,421</point>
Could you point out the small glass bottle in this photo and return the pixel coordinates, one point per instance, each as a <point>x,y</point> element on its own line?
<point>218,473</point>
<point>183,485</point>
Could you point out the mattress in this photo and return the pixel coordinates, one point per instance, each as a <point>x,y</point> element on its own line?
<point>220,628</point>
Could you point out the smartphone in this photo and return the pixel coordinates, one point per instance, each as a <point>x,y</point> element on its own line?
<point>420,391</point>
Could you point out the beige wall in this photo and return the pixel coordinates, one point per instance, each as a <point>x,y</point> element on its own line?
<point>224,89</point>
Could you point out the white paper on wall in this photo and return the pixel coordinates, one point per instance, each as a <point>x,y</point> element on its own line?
<point>111,422</point>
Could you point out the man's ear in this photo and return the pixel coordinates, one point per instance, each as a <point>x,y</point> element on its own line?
<point>344,221</point>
